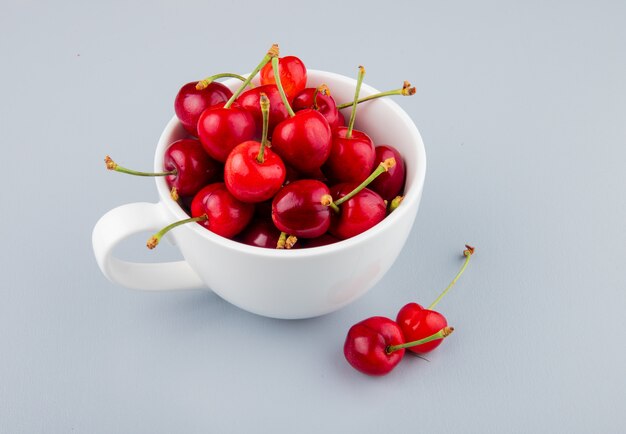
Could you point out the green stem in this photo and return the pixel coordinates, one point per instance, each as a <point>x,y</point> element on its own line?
<point>154,240</point>
<point>271,54</point>
<point>359,81</point>
<point>279,85</point>
<point>468,253</point>
<point>382,167</point>
<point>444,332</point>
<point>406,90</point>
<point>265,111</point>
<point>204,83</point>
<point>112,165</point>
<point>282,239</point>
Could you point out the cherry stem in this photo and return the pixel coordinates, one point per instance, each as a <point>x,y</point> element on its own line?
<point>204,83</point>
<point>443,333</point>
<point>279,85</point>
<point>382,167</point>
<point>265,111</point>
<point>112,165</point>
<point>272,53</point>
<point>406,90</point>
<point>154,239</point>
<point>468,252</point>
<point>395,203</point>
<point>323,89</point>
<point>359,81</point>
<point>282,239</point>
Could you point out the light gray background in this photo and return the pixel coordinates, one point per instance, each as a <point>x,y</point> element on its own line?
<point>522,106</point>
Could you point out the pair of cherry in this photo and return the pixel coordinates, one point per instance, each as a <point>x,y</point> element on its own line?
<point>376,345</point>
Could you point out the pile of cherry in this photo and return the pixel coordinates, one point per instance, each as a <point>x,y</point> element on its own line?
<point>377,344</point>
<point>274,165</point>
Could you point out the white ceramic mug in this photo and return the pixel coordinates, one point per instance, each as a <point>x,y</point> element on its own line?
<point>285,284</point>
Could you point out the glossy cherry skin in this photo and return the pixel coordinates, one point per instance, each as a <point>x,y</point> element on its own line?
<point>365,210</point>
<point>303,141</point>
<point>194,168</point>
<point>367,342</point>
<point>190,103</point>
<point>351,159</point>
<point>325,105</point>
<point>419,323</point>
<point>221,129</point>
<point>292,75</point>
<point>227,216</point>
<point>260,233</point>
<point>297,209</point>
<point>250,100</point>
<point>391,183</point>
<point>248,179</point>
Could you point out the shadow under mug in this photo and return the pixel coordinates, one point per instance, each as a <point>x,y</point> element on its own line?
<point>286,284</point>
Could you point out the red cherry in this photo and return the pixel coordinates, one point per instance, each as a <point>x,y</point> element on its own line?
<point>253,173</point>
<point>367,343</point>
<point>417,323</point>
<point>194,168</point>
<point>220,129</point>
<point>358,214</point>
<point>226,216</point>
<point>320,100</point>
<point>303,141</point>
<point>292,73</point>
<point>191,102</point>
<point>389,184</point>
<point>351,158</point>
<point>260,233</point>
<point>297,209</point>
<point>187,168</point>
<point>250,100</point>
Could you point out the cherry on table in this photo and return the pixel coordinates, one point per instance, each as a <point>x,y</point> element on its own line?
<point>376,345</point>
<point>417,322</point>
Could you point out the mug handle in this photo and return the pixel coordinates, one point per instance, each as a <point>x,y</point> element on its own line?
<point>124,221</point>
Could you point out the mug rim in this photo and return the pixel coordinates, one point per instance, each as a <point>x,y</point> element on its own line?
<point>410,202</point>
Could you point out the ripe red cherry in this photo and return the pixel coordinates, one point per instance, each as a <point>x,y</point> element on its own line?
<point>351,158</point>
<point>191,102</point>
<point>260,233</point>
<point>367,343</point>
<point>417,323</point>
<point>187,168</point>
<point>250,100</point>
<point>358,214</point>
<point>192,166</point>
<point>297,209</point>
<point>303,141</point>
<point>318,99</point>
<point>226,216</point>
<point>222,127</point>
<point>253,173</point>
<point>292,74</point>
<point>390,184</point>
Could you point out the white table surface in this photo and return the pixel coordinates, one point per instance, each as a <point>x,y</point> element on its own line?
<point>522,106</point>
